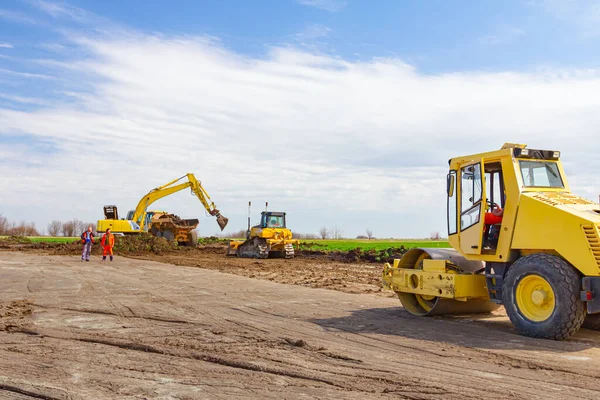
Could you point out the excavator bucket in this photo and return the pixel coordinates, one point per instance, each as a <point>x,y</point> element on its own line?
<point>222,221</point>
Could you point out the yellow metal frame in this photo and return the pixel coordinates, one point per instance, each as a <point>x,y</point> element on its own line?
<point>435,279</point>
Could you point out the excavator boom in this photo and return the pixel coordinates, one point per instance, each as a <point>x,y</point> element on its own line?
<point>139,215</point>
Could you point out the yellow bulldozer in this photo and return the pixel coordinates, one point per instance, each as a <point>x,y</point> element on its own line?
<point>161,223</point>
<point>539,256</point>
<point>270,238</point>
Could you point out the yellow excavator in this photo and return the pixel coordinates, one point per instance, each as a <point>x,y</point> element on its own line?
<point>160,223</point>
<point>520,239</point>
<point>270,238</point>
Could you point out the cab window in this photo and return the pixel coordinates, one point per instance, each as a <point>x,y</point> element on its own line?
<point>471,192</point>
<point>540,174</point>
<point>452,194</point>
<point>275,221</point>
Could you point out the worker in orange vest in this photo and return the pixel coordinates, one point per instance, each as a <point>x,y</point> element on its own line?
<point>87,239</point>
<point>108,242</point>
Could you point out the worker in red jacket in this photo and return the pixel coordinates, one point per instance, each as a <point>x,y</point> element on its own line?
<point>108,242</point>
<point>495,216</point>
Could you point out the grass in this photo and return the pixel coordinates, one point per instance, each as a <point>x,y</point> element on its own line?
<point>375,244</point>
<point>328,244</point>
<point>48,239</point>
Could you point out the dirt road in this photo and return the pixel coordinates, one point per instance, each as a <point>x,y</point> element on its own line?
<point>141,329</point>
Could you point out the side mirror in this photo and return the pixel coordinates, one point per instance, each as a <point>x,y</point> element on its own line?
<point>450,185</point>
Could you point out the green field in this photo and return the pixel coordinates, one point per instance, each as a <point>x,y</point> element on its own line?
<point>316,244</point>
<point>376,244</point>
<point>48,239</point>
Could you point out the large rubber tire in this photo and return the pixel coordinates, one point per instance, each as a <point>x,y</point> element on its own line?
<point>170,236</point>
<point>192,240</point>
<point>569,311</point>
<point>592,321</point>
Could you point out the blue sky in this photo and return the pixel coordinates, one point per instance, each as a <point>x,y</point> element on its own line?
<point>337,103</point>
<point>437,36</point>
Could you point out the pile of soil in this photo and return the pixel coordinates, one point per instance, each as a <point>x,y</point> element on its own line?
<point>142,243</point>
<point>146,243</point>
<point>213,240</point>
<point>372,256</point>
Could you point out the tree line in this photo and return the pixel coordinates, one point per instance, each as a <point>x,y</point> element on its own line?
<point>324,233</point>
<point>70,228</point>
<point>74,227</point>
<point>8,228</point>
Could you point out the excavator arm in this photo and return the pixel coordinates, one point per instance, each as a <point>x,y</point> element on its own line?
<point>139,215</point>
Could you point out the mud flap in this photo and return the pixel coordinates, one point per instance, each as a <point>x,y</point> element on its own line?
<point>591,293</point>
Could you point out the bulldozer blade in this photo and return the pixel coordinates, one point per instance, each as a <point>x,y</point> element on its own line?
<point>222,221</point>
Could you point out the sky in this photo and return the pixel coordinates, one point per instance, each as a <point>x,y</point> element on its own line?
<point>343,113</point>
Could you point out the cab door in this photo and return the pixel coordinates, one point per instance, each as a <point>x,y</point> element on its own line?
<point>472,207</point>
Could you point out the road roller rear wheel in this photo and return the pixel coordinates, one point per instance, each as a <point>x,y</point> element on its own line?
<point>541,297</point>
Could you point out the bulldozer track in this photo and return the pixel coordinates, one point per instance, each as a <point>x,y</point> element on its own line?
<point>289,251</point>
<point>254,248</point>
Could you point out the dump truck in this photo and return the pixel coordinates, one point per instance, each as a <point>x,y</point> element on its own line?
<point>540,260</point>
<point>270,238</point>
<point>161,223</point>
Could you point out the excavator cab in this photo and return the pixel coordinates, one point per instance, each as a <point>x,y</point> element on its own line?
<point>147,218</point>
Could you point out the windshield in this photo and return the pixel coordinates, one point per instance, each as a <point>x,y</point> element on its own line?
<point>540,174</point>
<point>275,222</point>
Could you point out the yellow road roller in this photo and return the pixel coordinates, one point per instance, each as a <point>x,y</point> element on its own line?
<point>519,238</point>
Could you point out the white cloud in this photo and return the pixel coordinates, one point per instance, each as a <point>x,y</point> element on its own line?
<point>582,16</point>
<point>328,140</point>
<point>6,46</point>
<point>502,35</point>
<point>312,32</point>
<point>23,74</point>
<point>60,10</point>
<point>16,16</point>
<point>327,5</point>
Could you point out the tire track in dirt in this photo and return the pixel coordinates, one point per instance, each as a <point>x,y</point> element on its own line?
<point>442,367</point>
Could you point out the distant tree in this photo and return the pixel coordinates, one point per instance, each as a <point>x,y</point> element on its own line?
<point>54,228</point>
<point>23,229</point>
<point>336,233</point>
<point>304,236</point>
<point>369,233</point>
<point>4,225</point>
<point>324,233</point>
<point>13,229</point>
<point>68,229</point>
<point>79,226</point>
<point>361,237</point>
<point>435,236</point>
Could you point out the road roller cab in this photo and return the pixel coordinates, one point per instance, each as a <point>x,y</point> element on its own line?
<point>541,260</point>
